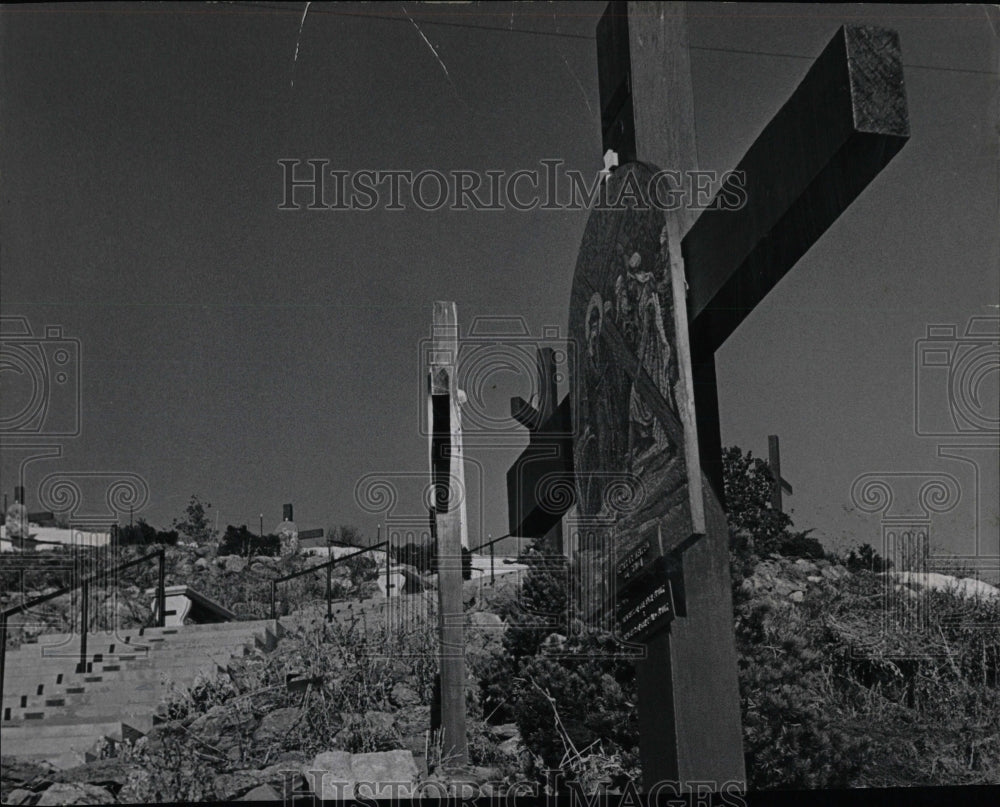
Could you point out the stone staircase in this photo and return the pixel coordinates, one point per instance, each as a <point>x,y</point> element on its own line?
<point>53,710</point>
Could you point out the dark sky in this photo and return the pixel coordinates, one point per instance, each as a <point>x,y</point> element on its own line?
<point>257,356</point>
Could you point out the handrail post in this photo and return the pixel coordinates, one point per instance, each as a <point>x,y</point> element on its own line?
<point>491,565</point>
<point>274,613</point>
<point>329,592</point>
<point>3,651</point>
<point>84,620</point>
<point>161,591</point>
<point>387,566</point>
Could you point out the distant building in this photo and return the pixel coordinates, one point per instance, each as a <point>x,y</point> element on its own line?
<point>40,538</point>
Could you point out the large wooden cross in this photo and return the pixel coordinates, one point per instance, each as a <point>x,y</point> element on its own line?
<point>842,125</point>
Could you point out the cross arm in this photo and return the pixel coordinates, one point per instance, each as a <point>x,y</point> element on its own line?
<point>843,124</point>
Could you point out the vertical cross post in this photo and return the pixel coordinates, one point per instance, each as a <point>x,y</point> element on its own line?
<point>778,484</point>
<point>447,479</point>
<point>689,708</point>
<point>161,587</point>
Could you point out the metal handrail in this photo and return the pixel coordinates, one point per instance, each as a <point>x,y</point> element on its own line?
<point>160,554</point>
<point>329,582</point>
<point>496,541</point>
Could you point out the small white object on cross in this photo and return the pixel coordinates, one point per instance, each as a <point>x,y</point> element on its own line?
<point>610,163</point>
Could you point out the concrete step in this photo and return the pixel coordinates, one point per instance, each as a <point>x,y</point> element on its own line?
<point>131,634</point>
<point>64,746</point>
<point>59,657</point>
<point>34,685</point>
<point>182,672</point>
<point>123,684</point>
<point>136,682</point>
<point>140,645</point>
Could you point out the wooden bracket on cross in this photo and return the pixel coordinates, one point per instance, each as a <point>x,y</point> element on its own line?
<point>540,481</point>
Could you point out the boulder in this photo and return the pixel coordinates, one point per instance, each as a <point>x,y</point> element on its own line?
<point>380,774</point>
<point>329,775</point>
<point>21,796</point>
<point>74,793</point>
<point>202,565</point>
<point>375,772</point>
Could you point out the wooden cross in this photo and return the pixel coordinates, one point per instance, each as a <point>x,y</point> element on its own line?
<point>777,483</point>
<point>449,526</point>
<point>841,126</point>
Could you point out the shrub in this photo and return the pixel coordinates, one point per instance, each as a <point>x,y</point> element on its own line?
<point>240,541</point>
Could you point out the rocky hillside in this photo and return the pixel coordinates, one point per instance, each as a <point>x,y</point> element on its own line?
<point>848,679</point>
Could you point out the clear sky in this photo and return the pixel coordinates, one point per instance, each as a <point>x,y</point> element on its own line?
<point>257,356</point>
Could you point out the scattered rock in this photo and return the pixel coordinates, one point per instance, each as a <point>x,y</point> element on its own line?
<point>403,695</point>
<point>380,774</point>
<point>201,565</point>
<point>505,731</point>
<point>832,572</point>
<point>413,720</point>
<point>275,725</point>
<point>329,775</point>
<point>111,774</point>
<point>65,793</point>
<point>21,796</point>
<point>234,564</point>
<point>797,596</point>
<point>382,768</point>
<point>221,727</point>
<point>229,786</point>
<point>486,621</point>
<point>261,793</point>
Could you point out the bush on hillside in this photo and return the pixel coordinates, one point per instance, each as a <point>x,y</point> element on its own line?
<point>240,541</point>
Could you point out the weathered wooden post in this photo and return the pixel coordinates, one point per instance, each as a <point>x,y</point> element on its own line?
<point>447,478</point>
